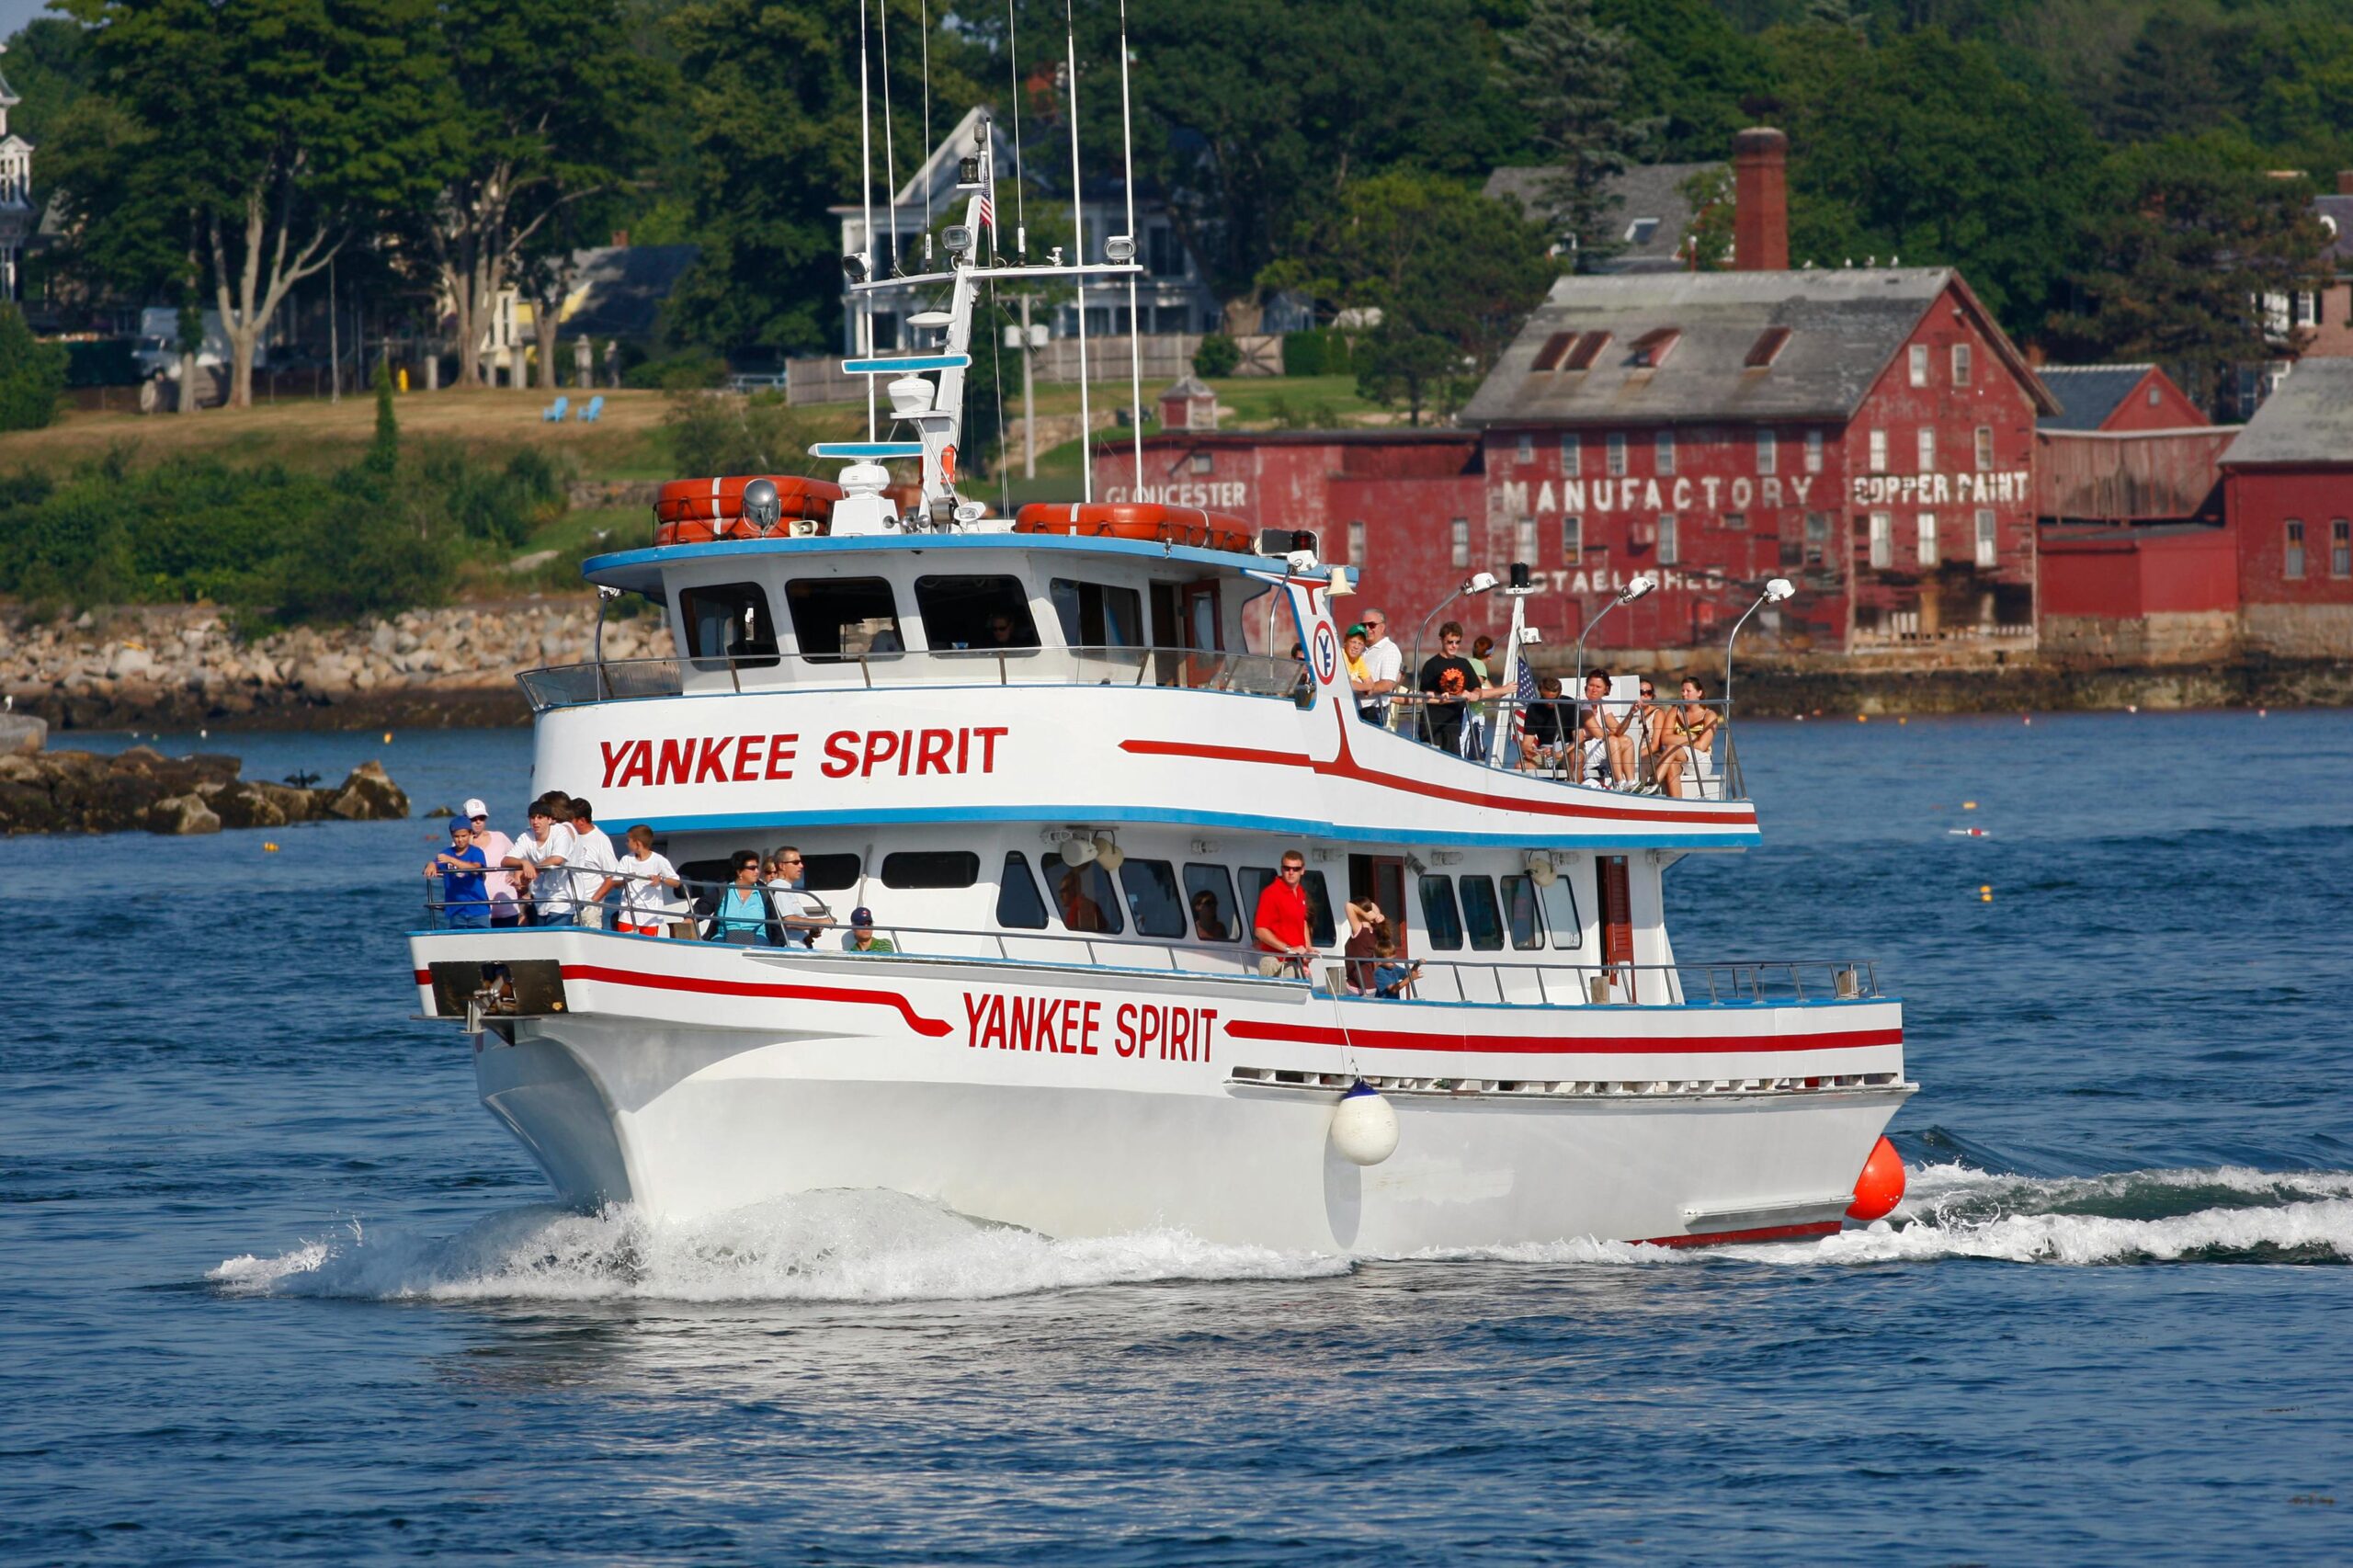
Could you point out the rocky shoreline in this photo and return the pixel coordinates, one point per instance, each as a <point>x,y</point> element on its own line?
<point>80,792</point>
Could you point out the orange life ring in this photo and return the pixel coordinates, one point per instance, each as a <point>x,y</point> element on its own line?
<point>1137,519</point>
<point>696,511</point>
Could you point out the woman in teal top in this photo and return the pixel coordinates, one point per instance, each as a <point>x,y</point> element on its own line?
<point>740,912</point>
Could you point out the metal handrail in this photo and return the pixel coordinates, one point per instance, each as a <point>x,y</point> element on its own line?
<point>1548,982</point>
<point>1720,781</point>
<point>1190,669</point>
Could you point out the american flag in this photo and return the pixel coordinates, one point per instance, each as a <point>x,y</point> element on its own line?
<point>1524,692</point>
<point>988,213</point>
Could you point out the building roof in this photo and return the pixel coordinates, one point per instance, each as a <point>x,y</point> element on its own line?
<point>1187,386</point>
<point>2087,393</point>
<point>619,290</point>
<point>2337,212</point>
<point>1650,217</point>
<point>2308,420</point>
<point>1724,361</point>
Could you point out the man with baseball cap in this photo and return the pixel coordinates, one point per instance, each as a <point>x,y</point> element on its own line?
<point>861,938</point>
<point>498,883</point>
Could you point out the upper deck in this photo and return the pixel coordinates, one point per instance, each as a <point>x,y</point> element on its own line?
<point>985,675</point>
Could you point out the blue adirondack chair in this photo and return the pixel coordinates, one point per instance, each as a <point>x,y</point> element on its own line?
<point>554,413</point>
<point>595,408</point>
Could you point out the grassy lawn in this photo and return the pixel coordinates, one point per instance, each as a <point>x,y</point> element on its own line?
<point>1300,401</point>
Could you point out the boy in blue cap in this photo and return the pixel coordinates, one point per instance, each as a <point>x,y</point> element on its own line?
<point>465,905</point>
<point>861,938</point>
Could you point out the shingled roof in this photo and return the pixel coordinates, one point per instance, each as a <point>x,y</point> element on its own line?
<point>2308,420</point>
<point>1724,361</point>
<point>1645,196</point>
<point>2087,393</point>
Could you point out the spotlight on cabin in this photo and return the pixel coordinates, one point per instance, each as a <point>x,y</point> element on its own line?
<point>854,266</point>
<point>959,238</point>
<point>1779,588</point>
<point>1119,249</point>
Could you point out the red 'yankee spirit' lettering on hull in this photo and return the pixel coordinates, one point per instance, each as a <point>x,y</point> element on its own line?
<point>1071,1028</point>
<point>751,759</point>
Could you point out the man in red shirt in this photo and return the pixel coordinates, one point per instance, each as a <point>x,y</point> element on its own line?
<point>1281,923</point>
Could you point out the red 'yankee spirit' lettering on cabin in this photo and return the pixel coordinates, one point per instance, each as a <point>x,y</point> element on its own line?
<point>1070,1028</point>
<point>749,759</point>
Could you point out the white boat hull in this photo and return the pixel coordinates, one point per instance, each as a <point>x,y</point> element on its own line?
<point>676,1080</point>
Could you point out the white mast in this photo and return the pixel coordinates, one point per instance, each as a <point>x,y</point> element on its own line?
<point>1128,183</point>
<point>866,198</point>
<point>1078,248</point>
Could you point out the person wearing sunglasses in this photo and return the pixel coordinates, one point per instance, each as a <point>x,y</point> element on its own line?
<point>803,913</point>
<point>1281,923</point>
<point>1385,667</point>
<point>499,883</point>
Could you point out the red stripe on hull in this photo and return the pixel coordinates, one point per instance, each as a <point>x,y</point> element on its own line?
<point>931,1028</point>
<point>1347,767</point>
<point>1522,1045</point>
<point>1767,1233</point>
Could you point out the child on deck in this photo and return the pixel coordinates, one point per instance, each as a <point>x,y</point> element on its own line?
<point>465,905</point>
<point>646,879</point>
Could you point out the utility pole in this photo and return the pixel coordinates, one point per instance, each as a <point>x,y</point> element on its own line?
<point>335,340</point>
<point>1029,400</point>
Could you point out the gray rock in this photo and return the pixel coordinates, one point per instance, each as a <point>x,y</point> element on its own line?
<point>384,638</point>
<point>368,794</point>
<point>21,735</point>
<point>130,660</point>
<point>182,814</point>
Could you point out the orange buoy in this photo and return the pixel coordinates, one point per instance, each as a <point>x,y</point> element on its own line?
<point>1881,1186</point>
<point>696,511</point>
<point>1136,519</point>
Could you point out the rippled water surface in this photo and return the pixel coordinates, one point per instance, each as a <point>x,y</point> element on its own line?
<point>276,1286</point>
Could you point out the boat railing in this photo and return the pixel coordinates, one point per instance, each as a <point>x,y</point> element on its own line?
<point>1655,738</point>
<point>1553,981</point>
<point>1190,669</point>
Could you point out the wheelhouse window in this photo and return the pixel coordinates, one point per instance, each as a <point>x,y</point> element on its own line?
<point>1521,917</point>
<point>829,873</point>
<point>1209,896</point>
<point>1481,915</point>
<point>1560,912</point>
<point>1086,898</point>
<point>728,621</point>
<point>1097,615</point>
<point>980,613</point>
<point>1152,900</point>
<point>931,869</point>
<point>843,618</point>
<point>1441,922</point>
<point>1018,902</point>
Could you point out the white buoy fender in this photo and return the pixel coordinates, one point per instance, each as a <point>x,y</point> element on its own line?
<point>1364,1126</point>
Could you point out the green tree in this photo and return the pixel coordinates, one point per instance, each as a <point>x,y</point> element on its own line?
<point>1571,73</point>
<point>263,130</point>
<point>32,374</point>
<point>1397,365</point>
<point>1689,70</point>
<point>2194,234</point>
<point>384,452</point>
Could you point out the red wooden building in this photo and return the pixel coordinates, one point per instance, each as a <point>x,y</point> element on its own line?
<point>2288,491</point>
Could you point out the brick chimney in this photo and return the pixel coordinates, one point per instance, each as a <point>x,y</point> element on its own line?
<point>1760,218</point>
<point>2344,182</point>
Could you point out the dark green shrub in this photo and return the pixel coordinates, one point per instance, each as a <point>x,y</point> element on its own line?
<point>1218,356</point>
<point>32,374</point>
<point>1321,352</point>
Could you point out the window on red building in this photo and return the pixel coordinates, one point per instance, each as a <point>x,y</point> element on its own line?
<point>1963,369</point>
<point>1817,538</point>
<point>2340,548</point>
<point>1736,521</point>
<point>1769,452</point>
<point>1356,543</point>
<point>1461,531</point>
<point>1879,451</point>
<point>1668,553</point>
<point>1919,364</point>
<point>1927,451</point>
<point>1527,448</point>
<point>1616,454</point>
<point>2294,567</point>
<point>1988,553</point>
<point>1523,540</point>
<point>1572,454</point>
<point>1813,451</point>
<point>1572,541</point>
<point>1664,446</point>
<point>1985,448</point>
<point>1927,539</point>
<point>1203,463</point>
<point>1882,538</point>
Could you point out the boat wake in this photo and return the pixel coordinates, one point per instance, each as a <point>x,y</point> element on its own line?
<point>820,1246</point>
<point>2220,1214</point>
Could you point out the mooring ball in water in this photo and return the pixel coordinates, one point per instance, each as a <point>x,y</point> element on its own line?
<point>1881,1186</point>
<point>1364,1126</point>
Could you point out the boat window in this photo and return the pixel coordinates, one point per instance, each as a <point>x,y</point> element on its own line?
<point>931,869</point>
<point>980,613</point>
<point>1319,898</point>
<point>696,878</point>
<point>1085,897</point>
<point>1216,920</point>
<point>1481,916</point>
<point>1561,914</point>
<point>843,618</point>
<point>1441,922</point>
<point>1519,909</point>
<point>829,873</point>
<point>1151,887</point>
<point>1018,902</point>
<point>728,620</point>
<point>1096,615</point>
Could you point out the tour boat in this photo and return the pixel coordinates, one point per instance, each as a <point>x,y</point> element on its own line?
<point>1059,755</point>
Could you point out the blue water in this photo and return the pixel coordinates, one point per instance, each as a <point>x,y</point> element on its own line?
<point>276,1286</point>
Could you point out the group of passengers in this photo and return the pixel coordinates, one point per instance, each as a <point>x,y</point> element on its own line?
<point>1278,926</point>
<point>565,870</point>
<point>1613,742</point>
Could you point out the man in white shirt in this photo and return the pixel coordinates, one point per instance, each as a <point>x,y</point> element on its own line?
<point>592,860</point>
<point>801,912</point>
<point>541,855</point>
<point>499,884</point>
<point>647,883</point>
<point>1385,664</point>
